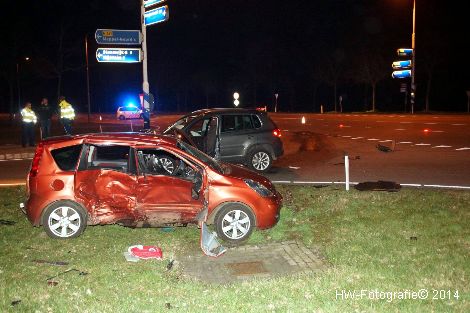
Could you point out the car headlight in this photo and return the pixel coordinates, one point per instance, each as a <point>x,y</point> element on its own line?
<point>260,189</point>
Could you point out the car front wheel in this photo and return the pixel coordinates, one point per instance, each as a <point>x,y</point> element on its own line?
<point>260,160</point>
<point>64,219</point>
<point>234,223</point>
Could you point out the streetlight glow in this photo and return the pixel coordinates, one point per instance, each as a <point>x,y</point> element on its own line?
<point>236,95</point>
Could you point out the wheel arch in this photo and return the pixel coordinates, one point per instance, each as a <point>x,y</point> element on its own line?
<point>41,220</point>
<point>213,214</point>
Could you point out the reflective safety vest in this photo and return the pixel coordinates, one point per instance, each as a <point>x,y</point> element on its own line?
<point>28,116</point>
<point>66,110</point>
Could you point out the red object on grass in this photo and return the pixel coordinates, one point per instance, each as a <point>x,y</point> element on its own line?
<point>146,252</point>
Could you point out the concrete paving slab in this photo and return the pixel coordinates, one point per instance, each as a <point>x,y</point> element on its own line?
<point>253,261</point>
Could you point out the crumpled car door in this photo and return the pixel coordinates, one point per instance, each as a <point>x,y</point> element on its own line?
<point>109,195</point>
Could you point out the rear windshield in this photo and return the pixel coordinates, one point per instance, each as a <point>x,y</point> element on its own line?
<point>66,158</point>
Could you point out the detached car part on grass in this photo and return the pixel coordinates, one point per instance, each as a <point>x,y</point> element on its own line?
<point>144,180</point>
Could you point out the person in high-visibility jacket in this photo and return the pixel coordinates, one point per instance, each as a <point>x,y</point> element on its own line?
<point>67,114</point>
<point>29,120</point>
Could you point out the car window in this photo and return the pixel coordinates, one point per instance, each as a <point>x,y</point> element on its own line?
<point>66,158</point>
<point>162,162</point>
<point>212,163</point>
<point>256,121</point>
<point>199,128</point>
<point>236,122</point>
<point>181,123</point>
<point>114,157</point>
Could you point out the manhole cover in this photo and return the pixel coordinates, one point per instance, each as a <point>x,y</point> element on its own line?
<point>246,268</point>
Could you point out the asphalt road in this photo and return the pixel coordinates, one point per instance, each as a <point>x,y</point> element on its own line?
<point>429,149</point>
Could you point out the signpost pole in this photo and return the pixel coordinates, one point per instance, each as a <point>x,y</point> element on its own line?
<point>145,83</point>
<point>413,74</point>
<point>87,77</point>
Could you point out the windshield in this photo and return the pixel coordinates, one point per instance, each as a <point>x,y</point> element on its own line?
<point>181,123</point>
<point>213,164</point>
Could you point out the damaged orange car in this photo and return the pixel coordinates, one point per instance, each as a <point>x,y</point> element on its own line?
<point>142,180</point>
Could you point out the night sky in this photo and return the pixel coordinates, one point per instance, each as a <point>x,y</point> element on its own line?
<point>209,49</point>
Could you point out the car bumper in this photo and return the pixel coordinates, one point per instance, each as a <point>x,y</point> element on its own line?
<point>271,214</point>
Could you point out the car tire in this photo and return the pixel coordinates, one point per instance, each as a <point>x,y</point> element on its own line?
<point>260,160</point>
<point>234,223</point>
<point>64,219</point>
<point>121,117</point>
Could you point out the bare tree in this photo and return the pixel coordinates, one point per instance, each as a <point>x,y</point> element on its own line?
<point>370,68</point>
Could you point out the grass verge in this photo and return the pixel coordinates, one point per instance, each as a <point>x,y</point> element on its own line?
<point>376,243</point>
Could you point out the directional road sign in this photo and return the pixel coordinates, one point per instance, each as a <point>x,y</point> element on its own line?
<point>401,74</point>
<point>405,52</point>
<point>401,65</point>
<point>149,3</point>
<point>157,15</point>
<point>118,55</point>
<point>117,36</point>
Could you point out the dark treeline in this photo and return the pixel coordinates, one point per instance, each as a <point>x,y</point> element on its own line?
<point>311,53</point>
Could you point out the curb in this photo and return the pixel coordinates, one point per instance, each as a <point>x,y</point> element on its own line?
<point>16,156</point>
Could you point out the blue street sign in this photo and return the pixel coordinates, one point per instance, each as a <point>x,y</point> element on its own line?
<point>405,52</point>
<point>401,65</point>
<point>401,74</point>
<point>116,36</point>
<point>149,3</point>
<point>118,55</point>
<point>157,15</point>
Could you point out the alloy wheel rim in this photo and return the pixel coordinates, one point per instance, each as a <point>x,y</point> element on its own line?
<point>261,161</point>
<point>236,224</point>
<point>64,221</point>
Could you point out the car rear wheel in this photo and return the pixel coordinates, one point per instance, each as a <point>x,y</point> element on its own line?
<point>121,117</point>
<point>260,160</point>
<point>64,219</point>
<point>234,223</point>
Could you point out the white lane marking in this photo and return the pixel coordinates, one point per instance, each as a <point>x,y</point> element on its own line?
<point>285,130</point>
<point>458,124</point>
<point>437,131</point>
<point>5,160</point>
<point>12,184</point>
<point>310,182</point>
<point>346,136</point>
<point>442,146</point>
<point>406,122</point>
<point>430,123</point>
<point>400,129</point>
<point>445,186</point>
<point>355,183</point>
<point>345,126</point>
<point>294,167</point>
<point>404,142</point>
<point>373,139</point>
<point>464,148</point>
<point>387,140</point>
<point>343,183</point>
<point>422,144</point>
<point>357,138</point>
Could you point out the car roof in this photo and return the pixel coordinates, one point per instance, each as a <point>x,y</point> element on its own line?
<point>125,138</point>
<point>225,111</point>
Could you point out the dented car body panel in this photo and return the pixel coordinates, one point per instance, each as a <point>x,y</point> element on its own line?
<point>140,180</point>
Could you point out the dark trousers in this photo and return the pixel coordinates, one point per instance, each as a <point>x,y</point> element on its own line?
<point>67,123</point>
<point>27,136</point>
<point>45,128</point>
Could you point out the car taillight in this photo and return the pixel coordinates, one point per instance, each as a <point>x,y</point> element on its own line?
<point>37,158</point>
<point>277,132</point>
